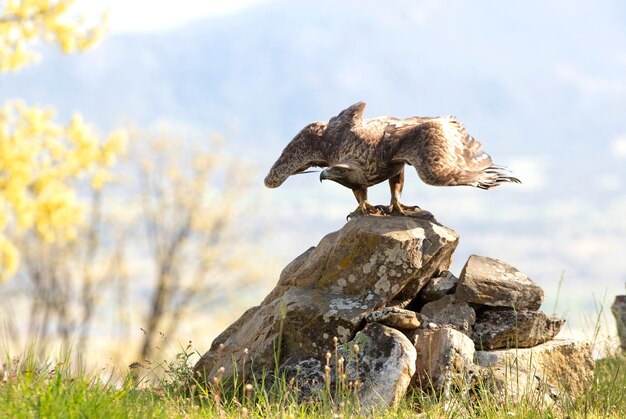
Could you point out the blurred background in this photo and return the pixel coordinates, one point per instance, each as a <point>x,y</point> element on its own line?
<point>183,236</point>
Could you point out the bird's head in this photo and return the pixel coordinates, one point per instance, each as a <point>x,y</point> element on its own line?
<point>349,175</point>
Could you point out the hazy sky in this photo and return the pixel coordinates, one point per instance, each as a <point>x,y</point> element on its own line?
<point>541,84</point>
<point>154,15</point>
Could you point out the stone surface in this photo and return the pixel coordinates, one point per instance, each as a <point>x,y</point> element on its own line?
<point>508,328</point>
<point>356,285</point>
<point>557,368</point>
<point>488,281</point>
<point>309,319</point>
<point>444,357</point>
<point>397,318</point>
<point>447,311</point>
<point>443,284</point>
<point>619,311</point>
<point>308,375</point>
<point>386,362</point>
<point>371,263</point>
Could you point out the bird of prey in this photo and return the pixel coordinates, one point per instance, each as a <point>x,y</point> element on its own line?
<point>360,153</point>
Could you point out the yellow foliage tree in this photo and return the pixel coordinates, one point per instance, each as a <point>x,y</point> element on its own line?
<point>41,159</point>
<point>23,22</point>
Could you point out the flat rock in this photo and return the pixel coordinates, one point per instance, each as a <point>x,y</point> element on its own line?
<point>395,317</point>
<point>444,357</point>
<point>619,311</point>
<point>371,263</point>
<point>555,369</point>
<point>447,311</point>
<point>508,328</point>
<point>487,281</point>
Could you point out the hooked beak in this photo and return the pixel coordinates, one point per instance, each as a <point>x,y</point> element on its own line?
<point>323,175</point>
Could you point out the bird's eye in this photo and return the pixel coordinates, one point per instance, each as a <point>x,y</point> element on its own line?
<point>340,169</point>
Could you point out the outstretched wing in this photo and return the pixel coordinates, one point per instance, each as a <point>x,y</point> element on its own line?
<point>444,154</point>
<point>307,149</point>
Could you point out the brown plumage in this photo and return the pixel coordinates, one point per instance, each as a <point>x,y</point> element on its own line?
<point>360,153</point>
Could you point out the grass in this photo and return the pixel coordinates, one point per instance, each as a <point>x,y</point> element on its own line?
<point>30,388</point>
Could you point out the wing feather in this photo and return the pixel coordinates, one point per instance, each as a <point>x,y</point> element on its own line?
<point>444,154</point>
<point>307,149</point>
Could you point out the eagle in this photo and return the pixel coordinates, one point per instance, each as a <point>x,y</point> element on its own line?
<point>358,153</point>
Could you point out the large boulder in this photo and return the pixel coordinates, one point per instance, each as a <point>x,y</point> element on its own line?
<point>487,281</point>
<point>552,370</point>
<point>386,364</point>
<point>370,264</point>
<point>378,363</point>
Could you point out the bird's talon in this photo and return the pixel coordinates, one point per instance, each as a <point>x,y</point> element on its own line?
<point>396,210</point>
<point>401,209</point>
<point>367,209</point>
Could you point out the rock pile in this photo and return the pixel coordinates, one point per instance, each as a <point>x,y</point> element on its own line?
<point>382,285</point>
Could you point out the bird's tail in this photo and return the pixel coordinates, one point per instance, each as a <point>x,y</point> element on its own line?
<point>493,176</point>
